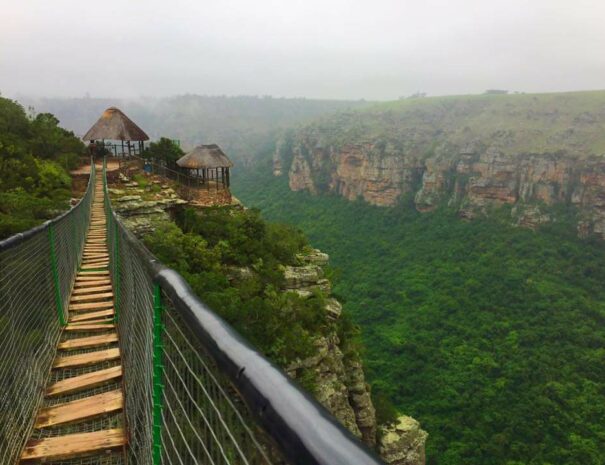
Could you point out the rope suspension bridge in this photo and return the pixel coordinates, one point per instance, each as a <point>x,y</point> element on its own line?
<point>109,358</point>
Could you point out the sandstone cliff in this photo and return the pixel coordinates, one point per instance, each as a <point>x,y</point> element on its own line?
<point>471,155</point>
<point>339,380</point>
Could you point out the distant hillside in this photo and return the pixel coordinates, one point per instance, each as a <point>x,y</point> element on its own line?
<point>472,153</point>
<point>239,124</point>
<point>519,123</point>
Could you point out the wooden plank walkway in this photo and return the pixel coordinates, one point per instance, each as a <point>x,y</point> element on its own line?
<point>88,359</point>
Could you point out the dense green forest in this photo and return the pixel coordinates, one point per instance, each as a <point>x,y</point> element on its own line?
<point>492,336</point>
<point>232,258</point>
<point>35,156</point>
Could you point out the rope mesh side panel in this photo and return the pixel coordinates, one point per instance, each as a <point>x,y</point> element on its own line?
<point>204,419</point>
<point>70,235</point>
<point>29,320</point>
<point>135,327</point>
<point>29,330</point>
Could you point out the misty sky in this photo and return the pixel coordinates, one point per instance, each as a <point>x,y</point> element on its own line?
<point>345,49</point>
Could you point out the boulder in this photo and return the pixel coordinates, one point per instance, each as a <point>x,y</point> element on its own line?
<point>403,443</point>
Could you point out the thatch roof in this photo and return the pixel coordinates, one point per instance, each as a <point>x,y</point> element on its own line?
<point>205,156</point>
<point>115,125</point>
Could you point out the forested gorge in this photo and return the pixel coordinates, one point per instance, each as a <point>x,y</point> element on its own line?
<point>491,336</point>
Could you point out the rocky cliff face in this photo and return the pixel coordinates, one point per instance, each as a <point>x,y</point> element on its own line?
<point>339,378</point>
<point>471,152</point>
<point>472,178</point>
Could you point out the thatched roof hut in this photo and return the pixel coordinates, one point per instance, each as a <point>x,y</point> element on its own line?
<point>115,125</point>
<point>205,156</point>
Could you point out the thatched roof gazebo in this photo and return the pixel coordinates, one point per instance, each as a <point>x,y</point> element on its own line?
<point>114,125</point>
<point>208,162</point>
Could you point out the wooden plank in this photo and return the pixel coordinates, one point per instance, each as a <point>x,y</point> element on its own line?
<point>91,306</point>
<point>84,280</point>
<point>81,409</point>
<point>90,327</point>
<point>89,290</point>
<point>73,445</point>
<point>95,256</point>
<point>90,341</point>
<point>91,316</point>
<point>86,381</point>
<point>91,255</point>
<point>92,265</point>
<point>100,321</point>
<point>100,296</point>
<point>92,283</point>
<point>92,261</point>
<point>93,268</point>
<point>90,358</point>
<point>88,274</point>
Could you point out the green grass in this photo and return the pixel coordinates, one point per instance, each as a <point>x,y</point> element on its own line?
<point>519,123</point>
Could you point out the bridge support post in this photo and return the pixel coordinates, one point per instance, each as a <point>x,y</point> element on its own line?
<point>158,372</point>
<point>55,274</point>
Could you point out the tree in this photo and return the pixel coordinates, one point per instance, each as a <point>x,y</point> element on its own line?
<point>165,150</point>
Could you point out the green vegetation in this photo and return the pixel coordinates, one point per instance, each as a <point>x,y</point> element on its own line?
<point>239,124</point>
<point>516,124</point>
<point>492,336</point>
<point>232,259</point>
<point>35,154</point>
<point>164,150</point>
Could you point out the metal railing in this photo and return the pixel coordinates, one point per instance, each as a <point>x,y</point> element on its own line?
<point>181,176</point>
<point>37,271</point>
<point>196,391</point>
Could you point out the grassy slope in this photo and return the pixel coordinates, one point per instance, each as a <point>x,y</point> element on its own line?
<point>491,336</point>
<point>525,122</point>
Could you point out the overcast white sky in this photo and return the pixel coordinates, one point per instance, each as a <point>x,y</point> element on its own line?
<point>346,49</point>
